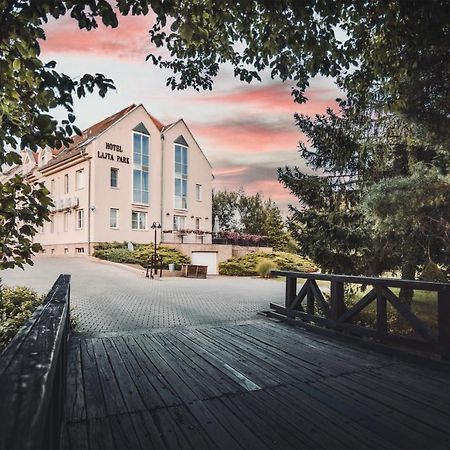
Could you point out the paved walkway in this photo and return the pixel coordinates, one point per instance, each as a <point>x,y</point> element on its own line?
<point>110,299</point>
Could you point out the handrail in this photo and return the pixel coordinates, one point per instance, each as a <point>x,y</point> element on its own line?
<point>33,375</point>
<point>337,316</point>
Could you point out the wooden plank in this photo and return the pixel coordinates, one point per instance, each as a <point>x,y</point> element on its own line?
<point>337,304</point>
<point>383,409</point>
<point>291,291</point>
<point>125,382</point>
<point>170,376</point>
<point>320,298</point>
<point>408,315</point>
<point>382,327</point>
<point>76,436</point>
<point>356,308</point>
<point>100,435</point>
<point>370,281</point>
<point>75,407</point>
<point>345,431</point>
<point>124,433</point>
<point>112,396</point>
<point>95,402</point>
<point>218,430</point>
<point>30,375</point>
<point>149,386</point>
<point>225,384</point>
<point>296,303</point>
<point>444,322</point>
<point>149,435</point>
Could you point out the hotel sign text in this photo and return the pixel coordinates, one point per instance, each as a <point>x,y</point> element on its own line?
<point>110,156</point>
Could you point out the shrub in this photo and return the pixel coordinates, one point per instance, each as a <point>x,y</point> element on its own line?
<point>16,306</point>
<point>120,254</point>
<point>264,267</point>
<point>247,265</point>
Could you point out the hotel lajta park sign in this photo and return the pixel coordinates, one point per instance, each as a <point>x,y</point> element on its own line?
<point>110,156</point>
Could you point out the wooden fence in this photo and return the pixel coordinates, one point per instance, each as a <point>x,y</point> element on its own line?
<point>310,307</point>
<point>33,376</point>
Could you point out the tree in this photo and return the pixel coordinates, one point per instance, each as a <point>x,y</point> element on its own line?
<point>224,208</point>
<point>365,214</point>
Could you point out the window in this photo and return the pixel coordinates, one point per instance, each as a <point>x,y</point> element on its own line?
<point>114,217</point>
<point>197,223</point>
<point>52,223</point>
<point>140,168</point>
<point>181,174</point>
<point>52,187</point>
<point>80,219</point>
<point>66,221</point>
<point>79,179</point>
<point>138,220</point>
<point>66,184</point>
<point>114,178</point>
<point>179,223</point>
<point>198,192</point>
<point>66,251</point>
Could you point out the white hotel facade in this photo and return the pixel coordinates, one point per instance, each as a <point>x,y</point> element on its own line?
<point>122,175</point>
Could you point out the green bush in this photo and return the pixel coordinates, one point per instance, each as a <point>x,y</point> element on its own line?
<point>119,253</point>
<point>247,265</point>
<point>16,306</point>
<point>264,267</point>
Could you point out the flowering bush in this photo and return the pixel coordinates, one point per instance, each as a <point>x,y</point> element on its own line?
<point>235,236</point>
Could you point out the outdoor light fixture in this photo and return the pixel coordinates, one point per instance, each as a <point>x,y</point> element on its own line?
<point>155,226</point>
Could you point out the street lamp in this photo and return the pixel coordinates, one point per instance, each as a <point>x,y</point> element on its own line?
<point>155,226</point>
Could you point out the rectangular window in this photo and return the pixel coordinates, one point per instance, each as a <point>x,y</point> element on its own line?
<point>140,168</point>
<point>114,217</point>
<point>179,223</point>
<point>138,220</point>
<point>66,184</point>
<point>197,223</point>
<point>181,175</point>
<point>52,187</point>
<point>79,219</point>
<point>198,192</point>
<point>79,179</point>
<point>52,223</point>
<point>114,178</point>
<point>66,221</point>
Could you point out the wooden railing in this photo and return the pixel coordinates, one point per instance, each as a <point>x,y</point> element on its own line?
<point>33,376</point>
<point>332,311</point>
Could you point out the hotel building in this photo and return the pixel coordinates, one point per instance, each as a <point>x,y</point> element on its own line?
<point>122,175</point>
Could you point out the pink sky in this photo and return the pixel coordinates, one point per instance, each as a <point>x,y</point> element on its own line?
<point>246,131</point>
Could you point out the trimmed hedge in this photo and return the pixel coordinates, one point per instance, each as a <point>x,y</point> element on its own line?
<point>247,265</point>
<point>119,253</point>
<point>17,304</point>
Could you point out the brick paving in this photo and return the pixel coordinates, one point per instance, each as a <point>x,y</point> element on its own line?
<point>110,299</point>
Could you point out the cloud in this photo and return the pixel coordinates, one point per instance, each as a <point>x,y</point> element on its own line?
<point>129,40</point>
<point>275,97</point>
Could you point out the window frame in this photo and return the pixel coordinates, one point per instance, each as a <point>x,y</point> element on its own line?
<point>66,183</point>
<point>79,214</point>
<point>198,192</point>
<point>175,226</point>
<point>138,221</point>
<point>140,170</point>
<point>182,177</point>
<point>117,218</point>
<point>77,186</point>
<point>116,171</point>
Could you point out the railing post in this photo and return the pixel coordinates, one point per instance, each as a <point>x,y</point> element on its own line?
<point>291,291</point>
<point>444,322</point>
<point>381,311</point>
<point>309,299</point>
<point>337,304</point>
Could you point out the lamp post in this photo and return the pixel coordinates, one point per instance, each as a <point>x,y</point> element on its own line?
<point>155,226</point>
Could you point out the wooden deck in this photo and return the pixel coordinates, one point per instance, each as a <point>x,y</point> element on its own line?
<point>259,385</point>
